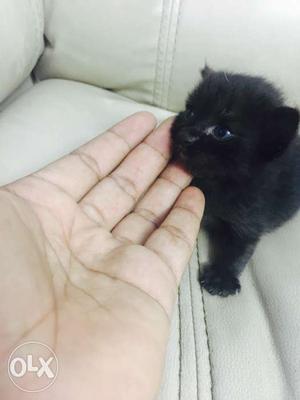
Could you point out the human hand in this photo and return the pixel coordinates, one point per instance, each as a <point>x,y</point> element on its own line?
<point>92,251</point>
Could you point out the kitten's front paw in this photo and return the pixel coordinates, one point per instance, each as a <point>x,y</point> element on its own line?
<point>218,282</point>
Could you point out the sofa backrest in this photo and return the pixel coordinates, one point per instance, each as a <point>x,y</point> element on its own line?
<point>21,41</point>
<point>152,50</point>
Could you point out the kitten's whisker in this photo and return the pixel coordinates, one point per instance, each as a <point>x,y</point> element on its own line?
<point>226,77</point>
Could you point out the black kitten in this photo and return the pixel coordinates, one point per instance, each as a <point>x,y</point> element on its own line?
<point>240,143</point>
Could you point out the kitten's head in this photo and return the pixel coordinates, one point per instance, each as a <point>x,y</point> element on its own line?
<point>232,124</point>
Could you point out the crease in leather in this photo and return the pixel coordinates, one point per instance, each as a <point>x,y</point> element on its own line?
<point>38,17</point>
<point>165,52</point>
<point>272,335</point>
<point>179,344</point>
<point>167,29</point>
<point>194,334</point>
<point>172,30</point>
<point>162,50</point>
<point>209,360</point>
<point>171,77</point>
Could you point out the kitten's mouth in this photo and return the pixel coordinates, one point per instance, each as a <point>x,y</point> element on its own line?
<point>181,158</point>
<point>180,154</point>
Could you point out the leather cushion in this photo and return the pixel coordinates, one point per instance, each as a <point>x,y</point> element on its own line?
<point>152,51</point>
<point>21,41</point>
<point>54,118</point>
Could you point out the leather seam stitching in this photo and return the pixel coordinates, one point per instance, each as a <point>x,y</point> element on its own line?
<point>194,331</point>
<point>206,330</point>
<point>164,83</point>
<point>158,56</point>
<point>167,28</point>
<point>173,54</point>
<point>179,344</point>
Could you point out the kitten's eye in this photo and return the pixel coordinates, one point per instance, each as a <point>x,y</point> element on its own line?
<point>189,114</point>
<point>220,133</point>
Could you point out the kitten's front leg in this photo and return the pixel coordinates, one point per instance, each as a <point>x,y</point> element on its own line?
<point>229,254</point>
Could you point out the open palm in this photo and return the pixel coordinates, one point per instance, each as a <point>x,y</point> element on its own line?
<point>92,250</point>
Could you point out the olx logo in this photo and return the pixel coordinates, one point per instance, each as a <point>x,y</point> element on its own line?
<point>33,367</point>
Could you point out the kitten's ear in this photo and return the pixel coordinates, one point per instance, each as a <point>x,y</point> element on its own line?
<point>206,71</point>
<point>281,127</point>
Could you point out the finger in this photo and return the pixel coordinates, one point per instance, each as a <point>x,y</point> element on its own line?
<point>115,196</point>
<point>154,206</point>
<point>175,239</point>
<point>79,171</point>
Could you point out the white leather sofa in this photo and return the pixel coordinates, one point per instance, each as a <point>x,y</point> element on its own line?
<point>71,68</point>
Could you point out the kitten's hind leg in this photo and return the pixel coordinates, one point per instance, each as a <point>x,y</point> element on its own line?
<point>229,254</point>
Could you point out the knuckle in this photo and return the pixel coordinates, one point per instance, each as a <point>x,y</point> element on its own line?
<point>178,234</point>
<point>120,139</point>
<point>148,215</point>
<point>126,185</point>
<point>94,213</point>
<point>90,162</point>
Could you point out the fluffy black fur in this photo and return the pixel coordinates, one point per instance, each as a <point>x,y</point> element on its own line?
<point>240,143</point>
